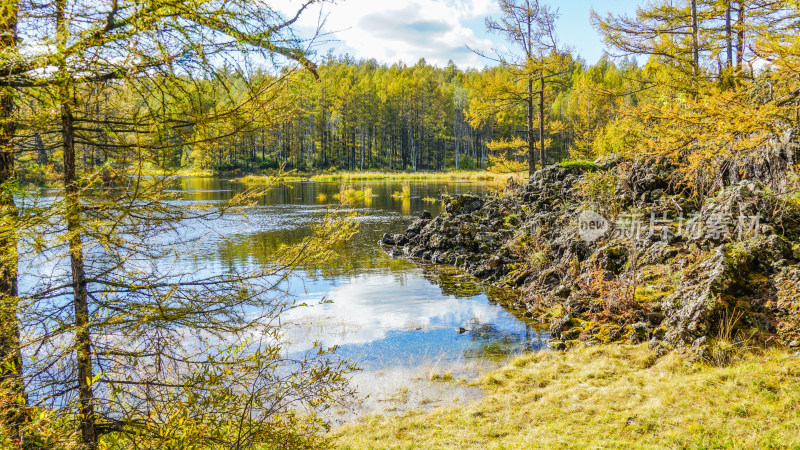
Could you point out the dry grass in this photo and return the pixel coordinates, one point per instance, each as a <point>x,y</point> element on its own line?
<point>413,176</point>
<point>405,193</point>
<point>610,397</point>
<point>182,172</point>
<point>269,180</point>
<point>429,200</point>
<point>351,195</point>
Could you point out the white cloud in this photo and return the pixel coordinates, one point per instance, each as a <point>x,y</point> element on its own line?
<point>361,312</point>
<point>404,30</point>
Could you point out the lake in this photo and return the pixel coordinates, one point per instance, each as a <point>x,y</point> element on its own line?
<point>411,327</point>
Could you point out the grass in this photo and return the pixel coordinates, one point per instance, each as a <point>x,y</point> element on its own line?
<point>269,179</point>
<point>346,177</point>
<point>412,176</point>
<point>795,198</point>
<point>446,377</point>
<point>182,172</point>
<point>609,397</point>
<point>351,195</point>
<point>581,164</point>
<point>405,193</point>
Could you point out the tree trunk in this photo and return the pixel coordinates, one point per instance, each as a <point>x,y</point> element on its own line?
<point>83,348</point>
<point>695,49</point>
<point>740,37</point>
<point>12,414</point>
<point>729,34</point>
<point>531,145</point>
<point>542,160</point>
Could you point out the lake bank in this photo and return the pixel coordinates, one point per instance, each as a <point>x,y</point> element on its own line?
<point>346,177</point>
<point>611,396</point>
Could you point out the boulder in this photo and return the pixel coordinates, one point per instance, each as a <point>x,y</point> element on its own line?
<point>696,307</point>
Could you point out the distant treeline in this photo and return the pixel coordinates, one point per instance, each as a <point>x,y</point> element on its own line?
<point>695,62</point>
<point>358,115</point>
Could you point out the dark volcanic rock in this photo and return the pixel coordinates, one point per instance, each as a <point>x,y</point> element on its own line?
<point>673,284</point>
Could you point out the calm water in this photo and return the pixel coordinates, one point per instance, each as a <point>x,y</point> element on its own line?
<point>399,321</point>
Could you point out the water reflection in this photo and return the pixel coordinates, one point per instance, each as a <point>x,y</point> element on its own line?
<point>389,315</point>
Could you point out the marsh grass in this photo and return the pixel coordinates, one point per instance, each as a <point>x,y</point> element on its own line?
<point>352,195</point>
<point>349,177</point>
<point>411,176</point>
<point>405,193</point>
<point>182,172</point>
<point>269,179</point>
<point>446,377</point>
<point>429,200</point>
<point>609,397</point>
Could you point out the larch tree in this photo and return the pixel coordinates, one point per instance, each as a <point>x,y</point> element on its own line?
<point>673,33</point>
<point>121,343</point>
<point>529,25</point>
<point>12,391</point>
<point>717,133</point>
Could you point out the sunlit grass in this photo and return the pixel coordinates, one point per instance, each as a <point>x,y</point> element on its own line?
<point>446,377</point>
<point>351,195</point>
<point>429,200</point>
<point>405,193</point>
<point>182,172</point>
<point>609,397</point>
<point>346,177</point>
<point>269,179</point>
<point>411,176</point>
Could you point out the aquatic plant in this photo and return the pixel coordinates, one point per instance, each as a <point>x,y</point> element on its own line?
<point>405,193</point>
<point>351,195</point>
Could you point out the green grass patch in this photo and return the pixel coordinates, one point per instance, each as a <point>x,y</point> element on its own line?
<point>579,164</point>
<point>609,397</point>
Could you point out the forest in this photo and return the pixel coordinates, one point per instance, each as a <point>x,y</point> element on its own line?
<point>360,115</point>
<point>356,115</point>
<point>145,297</point>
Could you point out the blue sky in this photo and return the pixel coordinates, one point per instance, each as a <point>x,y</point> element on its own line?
<point>440,30</point>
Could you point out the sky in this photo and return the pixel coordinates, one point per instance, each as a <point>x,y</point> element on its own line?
<point>439,30</point>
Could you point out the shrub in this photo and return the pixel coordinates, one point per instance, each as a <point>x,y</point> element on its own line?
<point>466,162</point>
<point>599,190</point>
<point>501,164</point>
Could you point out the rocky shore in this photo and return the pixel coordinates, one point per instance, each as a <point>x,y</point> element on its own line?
<point>614,251</point>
